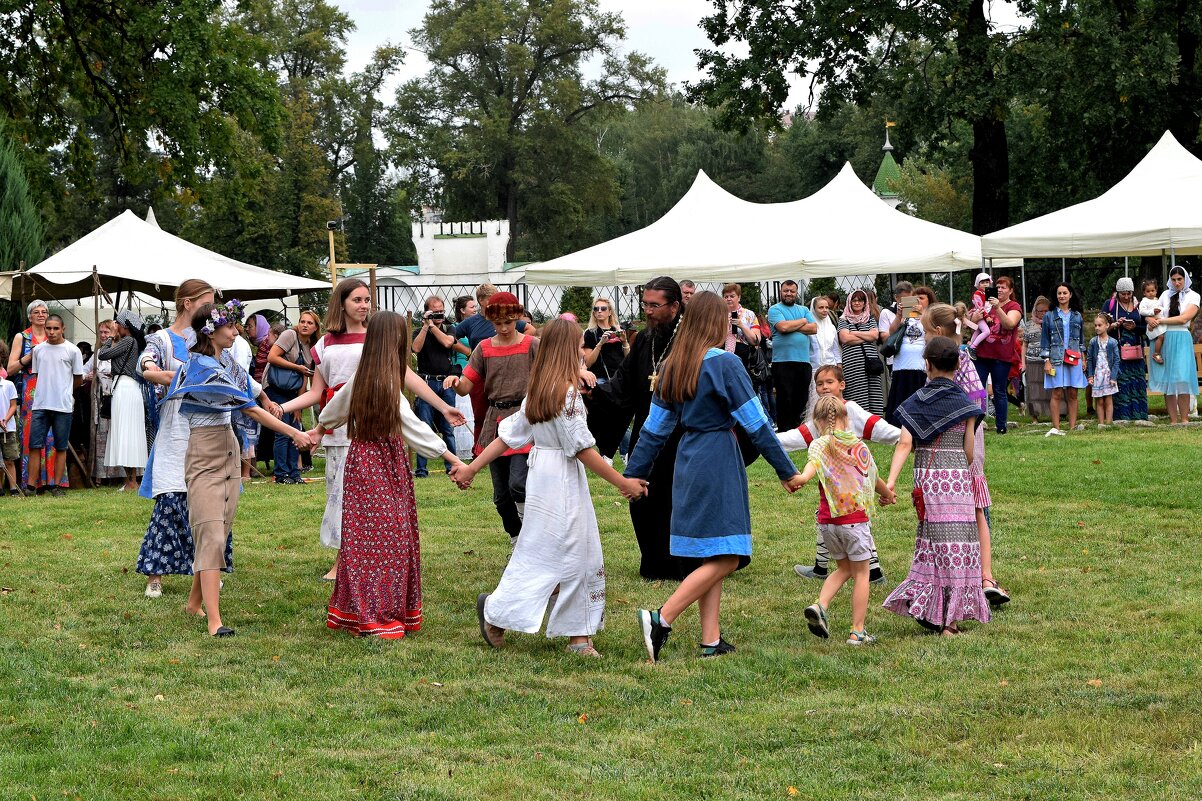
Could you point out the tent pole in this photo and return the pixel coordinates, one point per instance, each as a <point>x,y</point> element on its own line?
<point>1024,280</point>
<point>1126,267</point>
<point>94,417</point>
<point>951,289</point>
<point>1063,272</point>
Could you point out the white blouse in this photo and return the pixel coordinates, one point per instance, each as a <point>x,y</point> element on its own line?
<point>1188,298</point>
<point>417,434</point>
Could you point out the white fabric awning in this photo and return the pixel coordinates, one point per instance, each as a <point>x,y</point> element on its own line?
<point>710,235</point>
<point>133,255</point>
<point>1156,209</point>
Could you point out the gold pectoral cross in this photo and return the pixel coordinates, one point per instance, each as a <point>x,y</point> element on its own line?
<point>654,379</point>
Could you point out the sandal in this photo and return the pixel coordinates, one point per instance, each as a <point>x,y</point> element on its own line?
<point>995,595</point>
<point>951,631</point>
<point>816,620</point>
<point>583,649</point>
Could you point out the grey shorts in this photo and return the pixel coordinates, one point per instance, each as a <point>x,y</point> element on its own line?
<point>852,541</point>
<point>10,445</point>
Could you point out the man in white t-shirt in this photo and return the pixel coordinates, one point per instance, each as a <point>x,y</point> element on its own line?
<point>10,445</point>
<point>58,364</point>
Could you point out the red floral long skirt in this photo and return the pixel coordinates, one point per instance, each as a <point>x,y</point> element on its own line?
<point>378,591</point>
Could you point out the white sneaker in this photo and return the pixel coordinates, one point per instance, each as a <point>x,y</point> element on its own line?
<point>1079,427</point>
<point>1102,426</point>
<point>1144,423</point>
<point>154,589</point>
<point>1054,432</point>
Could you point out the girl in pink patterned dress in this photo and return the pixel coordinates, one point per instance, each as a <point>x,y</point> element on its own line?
<point>938,421</point>
<point>377,590</point>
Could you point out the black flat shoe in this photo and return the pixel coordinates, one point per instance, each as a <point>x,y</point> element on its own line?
<point>224,631</point>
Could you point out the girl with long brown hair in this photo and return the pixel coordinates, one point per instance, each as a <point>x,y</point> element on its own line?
<point>708,391</point>
<point>377,590</point>
<point>336,359</point>
<point>559,550</point>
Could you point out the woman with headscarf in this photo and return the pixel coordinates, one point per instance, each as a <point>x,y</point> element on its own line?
<point>858,337</point>
<point>1177,378</point>
<point>127,433</point>
<point>259,332</point>
<point>1131,403</point>
<point>23,344</point>
<point>824,345</point>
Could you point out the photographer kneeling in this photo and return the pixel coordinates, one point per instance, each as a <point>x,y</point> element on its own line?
<point>434,343</point>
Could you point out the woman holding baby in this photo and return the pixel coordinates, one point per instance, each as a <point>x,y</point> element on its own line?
<point>1131,402</point>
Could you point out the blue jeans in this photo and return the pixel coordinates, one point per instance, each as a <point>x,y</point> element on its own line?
<point>433,418</point>
<point>284,452</point>
<point>999,371</point>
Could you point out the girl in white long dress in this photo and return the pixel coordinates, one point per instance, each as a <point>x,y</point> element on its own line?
<point>557,560</point>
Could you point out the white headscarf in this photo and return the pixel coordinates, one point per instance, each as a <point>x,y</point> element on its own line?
<point>1188,281</point>
<point>827,333</point>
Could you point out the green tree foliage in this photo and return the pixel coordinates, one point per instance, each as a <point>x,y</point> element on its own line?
<point>141,90</point>
<point>497,127</point>
<point>20,226</point>
<point>851,50</point>
<point>578,300</point>
<point>21,241</point>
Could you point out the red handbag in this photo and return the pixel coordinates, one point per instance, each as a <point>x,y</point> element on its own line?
<point>1072,358</point>
<point>1131,353</point>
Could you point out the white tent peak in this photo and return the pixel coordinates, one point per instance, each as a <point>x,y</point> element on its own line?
<point>1156,208</point>
<point>130,254</point>
<point>711,235</point>
<point>150,218</point>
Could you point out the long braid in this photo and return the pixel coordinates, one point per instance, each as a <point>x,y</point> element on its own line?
<point>828,410</point>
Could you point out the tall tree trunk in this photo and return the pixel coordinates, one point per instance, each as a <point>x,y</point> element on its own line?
<point>511,214</point>
<point>1184,122</point>
<point>990,153</point>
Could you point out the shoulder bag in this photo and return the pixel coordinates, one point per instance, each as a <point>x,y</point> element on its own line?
<point>893,344</point>
<point>283,379</point>
<point>872,362</point>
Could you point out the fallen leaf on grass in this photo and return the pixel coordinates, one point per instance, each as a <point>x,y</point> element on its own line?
<point>160,697</point>
<point>469,553</point>
<point>1095,683</point>
<point>1003,683</point>
<point>685,702</point>
<point>1085,569</point>
<point>172,661</point>
<point>792,791</point>
<point>582,719</point>
<point>436,684</point>
<point>275,658</point>
<point>58,626</point>
<point>127,615</point>
<point>1097,461</point>
<point>999,764</point>
<point>1080,524</point>
<point>68,537</point>
<point>124,570</point>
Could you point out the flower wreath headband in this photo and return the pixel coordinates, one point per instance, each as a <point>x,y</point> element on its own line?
<point>229,314</point>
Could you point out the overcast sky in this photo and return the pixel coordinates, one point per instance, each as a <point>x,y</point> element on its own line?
<point>666,30</point>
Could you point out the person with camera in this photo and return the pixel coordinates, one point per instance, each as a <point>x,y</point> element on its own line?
<point>603,341</point>
<point>744,327</point>
<point>996,352</point>
<point>792,324</point>
<point>434,343</point>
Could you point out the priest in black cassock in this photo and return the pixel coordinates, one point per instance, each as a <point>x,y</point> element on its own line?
<point>627,394</point>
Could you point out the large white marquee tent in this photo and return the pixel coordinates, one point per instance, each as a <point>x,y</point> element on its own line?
<point>1155,210</point>
<point>133,255</point>
<point>843,229</point>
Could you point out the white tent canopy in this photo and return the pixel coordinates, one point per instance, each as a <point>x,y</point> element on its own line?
<point>133,255</point>
<point>710,235</point>
<point>1156,209</point>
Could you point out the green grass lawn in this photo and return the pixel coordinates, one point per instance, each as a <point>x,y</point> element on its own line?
<point>1086,686</point>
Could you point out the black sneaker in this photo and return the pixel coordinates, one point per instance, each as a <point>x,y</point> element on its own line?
<point>815,617</point>
<point>57,492</point>
<point>655,633</point>
<point>723,647</point>
<point>876,576</point>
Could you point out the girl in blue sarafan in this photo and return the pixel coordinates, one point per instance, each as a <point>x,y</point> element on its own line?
<point>215,396</point>
<point>708,391</point>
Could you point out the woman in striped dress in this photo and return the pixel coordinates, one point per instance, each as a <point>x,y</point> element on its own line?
<point>859,335</point>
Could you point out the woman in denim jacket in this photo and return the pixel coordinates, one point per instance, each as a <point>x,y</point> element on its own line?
<point>1063,329</point>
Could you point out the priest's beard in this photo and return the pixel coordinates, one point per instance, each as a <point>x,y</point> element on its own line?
<point>662,330</point>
